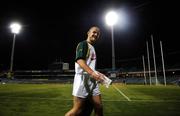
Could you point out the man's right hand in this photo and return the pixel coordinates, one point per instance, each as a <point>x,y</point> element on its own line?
<point>98,76</point>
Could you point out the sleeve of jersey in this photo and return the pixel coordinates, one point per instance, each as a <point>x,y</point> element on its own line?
<point>81,51</point>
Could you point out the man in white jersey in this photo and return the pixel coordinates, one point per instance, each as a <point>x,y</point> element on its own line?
<point>86,78</point>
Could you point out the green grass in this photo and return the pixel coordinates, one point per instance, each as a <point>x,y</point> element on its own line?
<point>56,100</point>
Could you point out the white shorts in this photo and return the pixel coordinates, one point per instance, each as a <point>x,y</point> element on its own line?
<point>85,86</point>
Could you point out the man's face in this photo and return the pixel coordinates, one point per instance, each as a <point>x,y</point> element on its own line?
<point>93,34</point>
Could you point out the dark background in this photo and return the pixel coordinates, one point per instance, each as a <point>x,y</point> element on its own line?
<point>51,31</point>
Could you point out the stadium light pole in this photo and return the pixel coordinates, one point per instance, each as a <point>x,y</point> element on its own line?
<point>15,29</point>
<point>111,19</point>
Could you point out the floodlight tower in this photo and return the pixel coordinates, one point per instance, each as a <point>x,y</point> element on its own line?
<point>15,29</point>
<point>111,20</point>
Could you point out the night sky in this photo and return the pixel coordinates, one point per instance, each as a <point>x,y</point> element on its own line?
<point>51,31</point>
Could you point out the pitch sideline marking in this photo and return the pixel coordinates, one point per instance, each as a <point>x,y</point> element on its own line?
<point>121,93</point>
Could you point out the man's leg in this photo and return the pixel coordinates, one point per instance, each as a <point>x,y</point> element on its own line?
<point>98,108</point>
<point>78,105</point>
<point>88,107</point>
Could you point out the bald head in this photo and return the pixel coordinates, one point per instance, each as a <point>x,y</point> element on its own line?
<point>95,27</point>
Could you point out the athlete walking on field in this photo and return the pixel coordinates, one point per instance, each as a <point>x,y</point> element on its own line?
<point>86,77</point>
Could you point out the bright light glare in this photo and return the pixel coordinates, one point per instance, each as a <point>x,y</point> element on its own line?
<point>111,18</point>
<point>122,17</point>
<point>15,28</point>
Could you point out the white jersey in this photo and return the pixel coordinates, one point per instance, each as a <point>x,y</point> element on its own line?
<point>90,60</point>
<point>84,85</point>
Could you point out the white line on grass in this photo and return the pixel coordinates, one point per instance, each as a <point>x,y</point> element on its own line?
<point>121,93</point>
<point>150,100</point>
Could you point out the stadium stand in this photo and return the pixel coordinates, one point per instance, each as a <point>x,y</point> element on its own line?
<point>66,76</point>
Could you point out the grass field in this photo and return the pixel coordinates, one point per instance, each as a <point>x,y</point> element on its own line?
<point>118,100</point>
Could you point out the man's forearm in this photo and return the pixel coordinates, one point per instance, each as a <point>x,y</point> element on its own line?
<point>96,75</point>
<point>84,66</point>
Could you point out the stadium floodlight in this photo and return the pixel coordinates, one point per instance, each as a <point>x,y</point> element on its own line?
<point>111,19</point>
<point>15,29</point>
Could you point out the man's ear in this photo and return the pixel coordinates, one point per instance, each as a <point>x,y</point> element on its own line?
<point>87,32</point>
